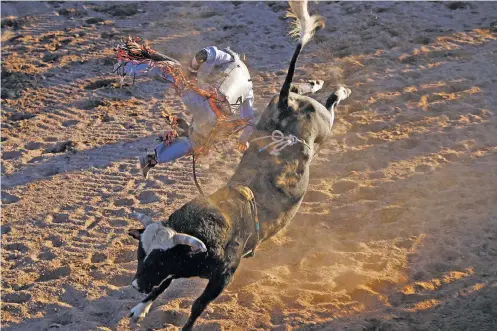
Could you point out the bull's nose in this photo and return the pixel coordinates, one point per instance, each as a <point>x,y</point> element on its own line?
<point>134,284</point>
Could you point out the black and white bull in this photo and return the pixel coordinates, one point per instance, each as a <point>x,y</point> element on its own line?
<point>207,237</point>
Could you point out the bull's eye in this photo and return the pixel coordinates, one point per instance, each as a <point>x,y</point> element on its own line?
<point>312,83</point>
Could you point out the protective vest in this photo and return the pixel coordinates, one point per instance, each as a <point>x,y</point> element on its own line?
<point>235,82</point>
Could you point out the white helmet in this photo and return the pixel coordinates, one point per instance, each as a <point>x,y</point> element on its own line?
<point>198,59</point>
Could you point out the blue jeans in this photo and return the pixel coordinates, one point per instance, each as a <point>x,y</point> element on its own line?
<point>180,147</point>
<point>204,121</point>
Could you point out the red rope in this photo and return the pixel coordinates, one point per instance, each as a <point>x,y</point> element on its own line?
<point>131,50</point>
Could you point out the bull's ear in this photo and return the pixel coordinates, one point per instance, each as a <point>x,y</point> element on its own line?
<point>135,233</point>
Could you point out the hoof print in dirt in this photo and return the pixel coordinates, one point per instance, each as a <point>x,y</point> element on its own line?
<point>49,275</point>
<point>61,147</point>
<point>457,5</point>
<point>108,60</point>
<point>148,197</point>
<point>15,82</point>
<point>17,297</point>
<point>4,229</point>
<point>11,155</point>
<point>17,38</point>
<point>72,12</point>
<point>48,38</point>
<point>277,6</point>
<point>60,218</point>
<point>100,83</point>
<point>120,10</point>
<point>8,198</point>
<point>12,22</point>
<point>50,57</point>
<point>493,27</point>
<point>108,35</point>
<point>94,20</point>
<point>69,123</point>
<point>90,104</point>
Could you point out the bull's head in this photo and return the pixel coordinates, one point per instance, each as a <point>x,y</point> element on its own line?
<point>154,239</point>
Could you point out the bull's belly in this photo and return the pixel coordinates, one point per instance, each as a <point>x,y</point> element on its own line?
<point>272,227</point>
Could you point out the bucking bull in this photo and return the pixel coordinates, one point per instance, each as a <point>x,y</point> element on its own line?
<point>208,236</point>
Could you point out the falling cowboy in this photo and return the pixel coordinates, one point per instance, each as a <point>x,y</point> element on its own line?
<point>217,85</point>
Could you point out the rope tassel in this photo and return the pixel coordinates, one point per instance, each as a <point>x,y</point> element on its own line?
<point>280,142</point>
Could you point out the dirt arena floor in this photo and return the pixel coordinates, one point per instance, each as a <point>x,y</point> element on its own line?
<point>397,232</point>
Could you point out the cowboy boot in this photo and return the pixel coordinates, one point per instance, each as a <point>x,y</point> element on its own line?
<point>147,162</point>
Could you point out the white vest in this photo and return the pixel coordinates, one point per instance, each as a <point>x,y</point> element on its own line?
<point>235,82</point>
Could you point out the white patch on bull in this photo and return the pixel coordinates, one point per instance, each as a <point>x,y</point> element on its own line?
<point>134,284</point>
<point>332,118</point>
<point>168,277</point>
<point>157,236</point>
<point>140,310</point>
<point>315,85</point>
<point>311,86</point>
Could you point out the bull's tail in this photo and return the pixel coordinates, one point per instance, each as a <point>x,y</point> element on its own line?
<point>304,26</point>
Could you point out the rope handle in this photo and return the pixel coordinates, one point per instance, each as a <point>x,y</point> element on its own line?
<point>280,142</point>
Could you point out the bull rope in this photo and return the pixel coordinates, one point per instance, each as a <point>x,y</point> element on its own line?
<point>195,177</point>
<point>280,142</point>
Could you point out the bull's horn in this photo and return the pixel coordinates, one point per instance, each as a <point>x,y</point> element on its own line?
<point>185,239</point>
<point>144,219</point>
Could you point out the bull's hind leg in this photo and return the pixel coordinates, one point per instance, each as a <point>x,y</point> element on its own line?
<point>211,292</point>
<point>141,309</point>
<point>334,99</point>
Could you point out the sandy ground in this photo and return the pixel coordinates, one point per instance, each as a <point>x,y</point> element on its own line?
<point>397,232</point>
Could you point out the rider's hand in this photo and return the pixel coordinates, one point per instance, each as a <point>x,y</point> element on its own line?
<point>243,146</point>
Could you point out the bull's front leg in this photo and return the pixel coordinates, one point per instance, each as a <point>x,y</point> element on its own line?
<point>211,292</point>
<point>141,310</point>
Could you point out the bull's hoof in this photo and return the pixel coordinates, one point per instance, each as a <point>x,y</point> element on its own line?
<point>139,311</point>
<point>342,93</point>
<point>315,85</point>
<point>250,254</point>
